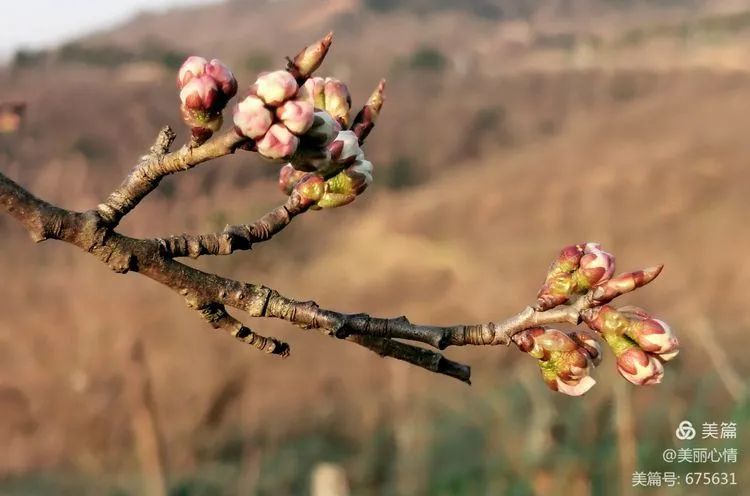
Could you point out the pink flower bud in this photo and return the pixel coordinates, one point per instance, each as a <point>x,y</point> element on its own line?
<point>330,95</point>
<point>564,359</point>
<point>200,94</point>
<point>639,367</point>
<point>338,102</point>
<point>252,118</point>
<point>223,76</point>
<point>214,75</point>
<point>193,66</point>
<point>275,87</point>
<point>652,335</point>
<point>596,266</point>
<point>313,91</point>
<point>297,115</point>
<point>277,143</point>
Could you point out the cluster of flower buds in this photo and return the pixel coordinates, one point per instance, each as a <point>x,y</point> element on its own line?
<point>205,88</point>
<point>565,359</point>
<point>343,175</point>
<point>272,116</point>
<point>582,274</point>
<point>640,342</point>
<point>290,115</point>
<point>575,270</point>
<point>329,168</point>
<point>277,112</point>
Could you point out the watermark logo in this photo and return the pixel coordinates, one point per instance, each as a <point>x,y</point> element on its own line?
<point>685,431</point>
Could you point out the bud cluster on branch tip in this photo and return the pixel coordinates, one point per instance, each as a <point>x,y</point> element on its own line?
<point>272,116</point>
<point>576,270</point>
<point>205,88</point>
<point>640,342</point>
<point>565,359</point>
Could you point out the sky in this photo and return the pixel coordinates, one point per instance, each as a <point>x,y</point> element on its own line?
<point>41,23</point>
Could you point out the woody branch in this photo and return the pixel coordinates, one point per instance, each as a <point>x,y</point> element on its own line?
<point>291,117</point>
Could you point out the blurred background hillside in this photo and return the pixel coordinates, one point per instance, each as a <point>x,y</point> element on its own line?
<point>511,129</point>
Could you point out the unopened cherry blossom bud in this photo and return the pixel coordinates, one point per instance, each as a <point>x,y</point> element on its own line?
<point>653,335</point>
<point>277,143</point>
<point>193,66</point>
<point>565,361</point>
<point>223,76</point>
<point>313,91</point>
<point>634,364</point>
<point>338,102</point>
<point>365,119</point>
<point>274,88</point>
<point>330,95</point>
<point>297,115</point>
<point>310,58</point>
<point>560,282</point>
<point>624,283</point>
<point>205,89</point>
<point>205,86</point>
<point>606,319</point>
<point>252,118</point>
<point>596,266</point>
<point>200,94</point>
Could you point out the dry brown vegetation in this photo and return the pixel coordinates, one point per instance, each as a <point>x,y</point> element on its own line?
<point>512,149</point>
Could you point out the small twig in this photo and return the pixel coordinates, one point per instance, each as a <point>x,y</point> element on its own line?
<point>426,359</point>
<point>217,316</point>
<point>150,170</point>
<point>235,237</point>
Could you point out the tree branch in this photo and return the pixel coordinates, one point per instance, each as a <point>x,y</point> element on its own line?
<point>218,318</point>
<point>152,167</point>
<point>426,359</point>
<point>284,122</point>
<point>236,237</point>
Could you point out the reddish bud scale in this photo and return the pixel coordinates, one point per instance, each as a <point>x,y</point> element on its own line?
<point>309,59</point>
<point>596,266</point>
<point>624,283</point>
<point>365,119</point>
